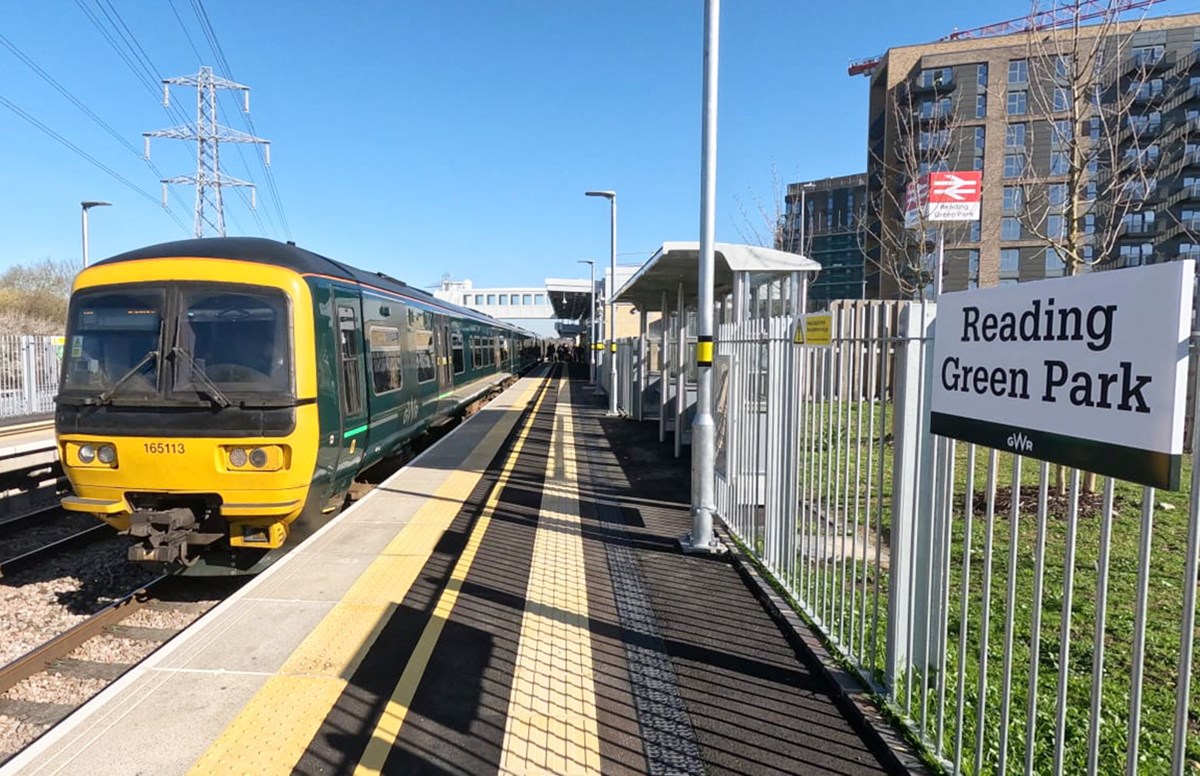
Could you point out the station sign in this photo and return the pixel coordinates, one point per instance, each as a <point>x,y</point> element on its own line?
<point>943,196</point>
<point>1089,372</point>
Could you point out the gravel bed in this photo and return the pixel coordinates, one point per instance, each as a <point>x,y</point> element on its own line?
<point>113,649</point>
<point>56,688</point>
<point>50,527</point>
<point>158,618</point>
<point>15,735</point>
<point>40,603</point>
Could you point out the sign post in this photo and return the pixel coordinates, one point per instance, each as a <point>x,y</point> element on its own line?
<point>939,197</point>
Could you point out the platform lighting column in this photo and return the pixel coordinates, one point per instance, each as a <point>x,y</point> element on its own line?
<point>85,207</point>
<point>701,539</point>
<point>591,320</point>
<point>611,344</point>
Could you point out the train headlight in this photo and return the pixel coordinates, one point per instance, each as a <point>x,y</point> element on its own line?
<point>264,458</point>
<point>106,454</point>
<point>87,453</point>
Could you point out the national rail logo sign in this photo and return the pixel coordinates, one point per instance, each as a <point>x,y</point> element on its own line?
<point>1089,372</point>
<point>944,196</point>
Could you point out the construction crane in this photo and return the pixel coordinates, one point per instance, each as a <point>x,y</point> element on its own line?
<point>1069,13</point>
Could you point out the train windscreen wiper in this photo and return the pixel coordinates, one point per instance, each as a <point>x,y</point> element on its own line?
<point>211,388</point>
<point>106,396</point>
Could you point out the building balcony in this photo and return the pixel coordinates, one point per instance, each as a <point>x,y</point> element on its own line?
<point>939,85</point>
<point>1190,193</point>
<point>1146,96</point>
<point>1137,228</point>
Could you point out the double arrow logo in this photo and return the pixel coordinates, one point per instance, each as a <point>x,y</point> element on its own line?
<point>951,186</point>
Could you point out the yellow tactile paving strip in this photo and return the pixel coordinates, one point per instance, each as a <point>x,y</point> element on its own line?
<point>273,730</point>
<point>387,729</point>
<point>551,725</point>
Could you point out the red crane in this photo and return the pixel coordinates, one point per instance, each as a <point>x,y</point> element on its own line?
<point>1068,13</point>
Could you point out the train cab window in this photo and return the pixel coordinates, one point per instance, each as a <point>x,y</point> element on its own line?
<point>348,337</point>
<point>114,335</point>
<point>386,358</point>
<point>237,340</point>
<point>456,349</point>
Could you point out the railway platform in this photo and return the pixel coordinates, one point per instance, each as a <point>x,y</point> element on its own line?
<point>512,601</point>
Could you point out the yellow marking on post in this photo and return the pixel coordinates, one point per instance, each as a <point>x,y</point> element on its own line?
<point>704,352</point>
<point>387,729</point>
<point>271,733</point>
<point>551,722</point>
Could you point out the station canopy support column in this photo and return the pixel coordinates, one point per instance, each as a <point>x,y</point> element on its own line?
<point>672,274</point>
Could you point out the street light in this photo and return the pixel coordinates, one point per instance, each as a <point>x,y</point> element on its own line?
<point>611,350</point>
<point>86,206</point>
<point>591,319</point>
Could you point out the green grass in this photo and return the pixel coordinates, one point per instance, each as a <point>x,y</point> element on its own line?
<point>831,454</point>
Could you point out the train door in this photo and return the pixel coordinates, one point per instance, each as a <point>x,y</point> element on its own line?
<point>351,384</point>
<point>445,376</point>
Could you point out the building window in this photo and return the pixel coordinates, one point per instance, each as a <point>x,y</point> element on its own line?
<point>1089,224</point>
<point>1062,98</point>
<point>974,234</point>
<point>1056,227</point>
<point>1141,222</point>
<point>1014,136</point>
<point>1190,219</point>
<point>1094,129</point>
<point>1010,260</point>
<point>527,299</point>
<point>978,164</point>
<point>1054,262</point>
<point>1007,282</point>
<point>1135,255</point>
<point>1189,251</point>
<point>1147,56</point>
<point>1014,199</point>
<point>981,76</point>
<point>936,77</point>
<point>1056,193</point>
<point>980,136</point>
<point>1062,134</point>
<point>539,298</point>
<point>1010,229</point>
<point>1059,162</point>
<point>981,106</point>
<point>491,298</point>
<point>1018,103</point>
<point>1018,71</point>
<point>1062,67</point>
<point>1014,165</point>
<point>1141,91</point>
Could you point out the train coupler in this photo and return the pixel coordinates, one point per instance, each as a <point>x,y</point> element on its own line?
<point>166,536</point>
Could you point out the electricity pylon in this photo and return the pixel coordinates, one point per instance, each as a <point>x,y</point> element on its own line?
<point>208,134</point>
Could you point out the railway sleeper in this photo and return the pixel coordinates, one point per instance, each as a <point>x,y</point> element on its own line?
<point>167,535</point>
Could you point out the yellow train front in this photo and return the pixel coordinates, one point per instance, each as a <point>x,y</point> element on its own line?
<point>218,396</point>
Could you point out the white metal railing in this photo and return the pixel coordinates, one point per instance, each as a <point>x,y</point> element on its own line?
<point>29,367</point>
<point>1034,628</point>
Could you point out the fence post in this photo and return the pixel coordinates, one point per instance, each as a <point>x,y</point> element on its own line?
<point>29,377</point>
<point>912,492</point>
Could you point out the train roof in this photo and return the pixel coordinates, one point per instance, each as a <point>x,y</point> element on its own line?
<point>305,262</point>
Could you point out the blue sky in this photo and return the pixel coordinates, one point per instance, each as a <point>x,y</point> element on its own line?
<point>447,136</point>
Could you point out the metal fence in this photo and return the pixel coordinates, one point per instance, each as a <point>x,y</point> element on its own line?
<point>1014,624</point>
<point>29,369</point>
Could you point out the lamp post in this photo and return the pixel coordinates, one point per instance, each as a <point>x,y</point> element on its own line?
<point>611,349</point>
<point>86,206</point>
<point>591,319</point>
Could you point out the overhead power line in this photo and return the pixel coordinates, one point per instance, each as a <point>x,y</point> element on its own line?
<point>91,159</point>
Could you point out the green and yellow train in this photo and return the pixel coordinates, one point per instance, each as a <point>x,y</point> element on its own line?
<point>219,396</point>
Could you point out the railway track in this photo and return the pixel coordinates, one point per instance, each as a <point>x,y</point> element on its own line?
<point>45,685</point>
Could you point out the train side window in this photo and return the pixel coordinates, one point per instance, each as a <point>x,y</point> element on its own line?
<point>348,335</point>
<point>456,348</point>
<point>386,358</point>
<point>422,344</point>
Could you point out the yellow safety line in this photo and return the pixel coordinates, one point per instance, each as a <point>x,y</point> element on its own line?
<point>390,722</point>
<point>271,733</point>
<point>551,721</point>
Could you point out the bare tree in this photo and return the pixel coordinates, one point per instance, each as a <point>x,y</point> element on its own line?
<point>929,137</point>
<point>1102,130</point>
<point>33,297</point>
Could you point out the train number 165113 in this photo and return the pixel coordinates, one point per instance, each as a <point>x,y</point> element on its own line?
<point>163,448</point>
